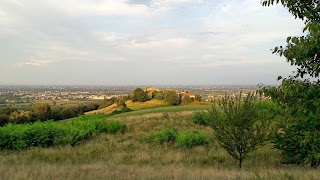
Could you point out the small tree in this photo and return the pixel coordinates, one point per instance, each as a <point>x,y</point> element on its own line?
<point>172,98</point>
<point>41,112</point>
<point>237,125</point>
<point>140,95</point>
<point>187,99</point>
<point>159,96</point>
<point>198,97</point>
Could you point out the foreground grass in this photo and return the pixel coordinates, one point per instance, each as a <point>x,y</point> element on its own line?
<point>129,157</point>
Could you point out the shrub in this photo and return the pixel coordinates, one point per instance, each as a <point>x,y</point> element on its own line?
<point>163,136</point>
<point>113,127</point>
<point>47,134</point>
<point>201,118</point>
<point>191,139</point>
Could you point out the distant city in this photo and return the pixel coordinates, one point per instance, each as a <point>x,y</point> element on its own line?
<point>28,94</point>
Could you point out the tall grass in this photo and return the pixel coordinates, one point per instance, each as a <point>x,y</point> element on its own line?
<point>115,156</point>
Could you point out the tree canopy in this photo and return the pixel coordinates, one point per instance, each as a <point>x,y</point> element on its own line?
<point>300,93</point>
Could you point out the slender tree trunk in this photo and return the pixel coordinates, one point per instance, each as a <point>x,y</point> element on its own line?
<point>240,162</point>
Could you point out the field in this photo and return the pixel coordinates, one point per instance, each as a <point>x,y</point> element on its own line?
<point>132,105</point>
<point>128,156</point>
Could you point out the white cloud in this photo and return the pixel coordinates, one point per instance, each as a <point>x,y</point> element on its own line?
<point>37,61</point>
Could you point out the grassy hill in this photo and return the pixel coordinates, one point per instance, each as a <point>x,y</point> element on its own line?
<point>154,103</point>
<point>129,156</point>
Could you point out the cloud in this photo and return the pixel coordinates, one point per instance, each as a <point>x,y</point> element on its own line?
<point>37,61</point>
<point>182,37</point>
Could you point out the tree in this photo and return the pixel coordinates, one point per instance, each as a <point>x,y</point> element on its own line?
<point>172,98</point>
<point>299,138</point>
<point>159,96</point>
<point>198,97</point>
<point>41,112</point>
<point>140,95</point>
<point>187,99</point>
<point>238,126</point>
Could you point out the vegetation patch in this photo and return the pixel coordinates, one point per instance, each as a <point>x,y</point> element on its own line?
<point>163,136</point>
<point>113,127</point>
<point>47,134</point>
<point>191,139</point>
<point>201,118</point>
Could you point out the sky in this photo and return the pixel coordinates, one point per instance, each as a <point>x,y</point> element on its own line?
<point>142,42</point>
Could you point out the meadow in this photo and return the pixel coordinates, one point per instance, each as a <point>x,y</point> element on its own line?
<point>129,156</point>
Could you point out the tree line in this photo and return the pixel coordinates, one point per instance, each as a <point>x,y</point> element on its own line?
<point>43,112</point>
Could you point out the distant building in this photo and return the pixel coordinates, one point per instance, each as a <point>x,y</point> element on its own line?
<point>150,90</point>
<point>184,94</point>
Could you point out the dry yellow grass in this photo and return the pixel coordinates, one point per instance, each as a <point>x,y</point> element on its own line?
<point>106,110</point>
<point>145,105</point>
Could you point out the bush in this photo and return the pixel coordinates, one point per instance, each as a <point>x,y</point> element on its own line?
<point>47,134</point>
<point>163,136</point>
<point>201,118</point>
<point>191,139</point>
<point>113,127</point>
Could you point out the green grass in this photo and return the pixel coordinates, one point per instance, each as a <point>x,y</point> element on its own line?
<point>164,109</point>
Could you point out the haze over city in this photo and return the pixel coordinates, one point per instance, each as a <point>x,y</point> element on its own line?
<point>142,42</point>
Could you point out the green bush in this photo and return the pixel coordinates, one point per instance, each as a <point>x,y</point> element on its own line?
<point>201,118</point>
<point>163,136</point>
<point>113,127</point>
<point>191,139</point>
<point>49,133</point>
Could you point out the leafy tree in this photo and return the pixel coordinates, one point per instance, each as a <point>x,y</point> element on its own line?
<point>238,125</point>
<point>300,137</point>
<point>172,98</point>
<point>140,95</point>
<point>41,112</point>
<point>198,97</point>
<point>187,99</point>
<point>159,96</point>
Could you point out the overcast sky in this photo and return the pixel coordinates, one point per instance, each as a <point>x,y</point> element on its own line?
<point>142,42</point>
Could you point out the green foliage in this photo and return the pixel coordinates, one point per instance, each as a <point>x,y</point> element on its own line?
<point>49,133</point>
<point>187,99</point>
<point>139,95</point>
<point>201,118</point>
<point>198,97</point>
<point>238,125</point>
<point>159,96</point>
<point>172,98</point>
<point>113,127</point>
<point>41,112</point>
<point>191,139</point>
<point>300,96</point>
<point>163,136</point>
